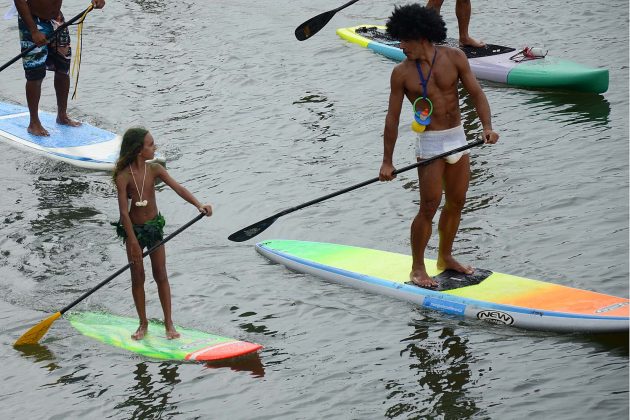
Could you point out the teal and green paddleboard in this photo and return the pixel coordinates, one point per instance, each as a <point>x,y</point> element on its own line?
<point>193,345</point>
<point>496,63</point>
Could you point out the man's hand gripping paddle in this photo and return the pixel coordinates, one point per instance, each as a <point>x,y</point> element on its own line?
<point>253,230</point>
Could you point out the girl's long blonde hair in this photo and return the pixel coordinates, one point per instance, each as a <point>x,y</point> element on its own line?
<point>132,143</point>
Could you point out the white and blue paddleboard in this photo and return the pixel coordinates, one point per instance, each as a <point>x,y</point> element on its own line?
<point>85,146</point>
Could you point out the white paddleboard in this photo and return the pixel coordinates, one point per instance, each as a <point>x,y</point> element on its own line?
<point>85,146</point>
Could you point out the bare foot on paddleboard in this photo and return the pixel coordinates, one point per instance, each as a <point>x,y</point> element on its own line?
<point>66,120</point>
<point>450,263</point>
<point>140,332</point>
<point>37,129</point>
<point>171,333</point>
<point>471,42</point>
<point>420,278</point>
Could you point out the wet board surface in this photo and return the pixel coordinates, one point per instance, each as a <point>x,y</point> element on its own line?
<point>193,345</point>
<point>496,63</point>
<point>485,295</point>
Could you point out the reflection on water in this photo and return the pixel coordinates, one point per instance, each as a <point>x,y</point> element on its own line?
<point>39,353</point>
<point>253,327</point>
<point>320,111</point>
<point>577,106</point>
<point>249,363</point>
<point>440,365</point>
<point>151,395</point>
<point>149,398</point>
<point>613,343</point>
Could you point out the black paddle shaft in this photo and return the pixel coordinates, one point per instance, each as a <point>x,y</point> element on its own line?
<point>315,24</point>
<point>253,230</point>
<point>373,180</point>
<point>55,32</point>
<point>123,269</point>
<point>350,3</point>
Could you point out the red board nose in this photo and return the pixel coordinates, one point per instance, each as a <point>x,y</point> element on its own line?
<point>223,351</point>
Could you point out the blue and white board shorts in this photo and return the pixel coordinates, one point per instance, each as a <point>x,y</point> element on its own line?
<point>55,56</point>
<point>433,143</point>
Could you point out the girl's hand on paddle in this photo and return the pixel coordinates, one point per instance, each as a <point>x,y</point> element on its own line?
<point>387,172</point>
<point>490,137</point>
<point>206,209</point>
<point>98,4</point>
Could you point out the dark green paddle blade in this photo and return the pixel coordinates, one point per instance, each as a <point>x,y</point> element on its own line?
<point>252,230</point>
<point>313,25</point>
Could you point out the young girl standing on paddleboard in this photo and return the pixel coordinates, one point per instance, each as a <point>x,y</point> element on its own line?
<point>141,225</point>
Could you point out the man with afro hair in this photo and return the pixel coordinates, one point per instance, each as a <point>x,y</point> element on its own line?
<point>429,76</point>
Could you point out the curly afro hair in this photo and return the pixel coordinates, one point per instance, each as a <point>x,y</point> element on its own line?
<point>414,22</point>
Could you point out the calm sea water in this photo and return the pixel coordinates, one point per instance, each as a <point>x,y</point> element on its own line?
<point>254,122</point>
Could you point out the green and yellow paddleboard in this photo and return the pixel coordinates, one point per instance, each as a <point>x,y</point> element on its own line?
<point>193,345</point>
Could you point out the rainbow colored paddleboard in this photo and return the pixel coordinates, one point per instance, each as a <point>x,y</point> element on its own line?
<point>496,63</point>
<point>484,295</point>
<point>193,345</point>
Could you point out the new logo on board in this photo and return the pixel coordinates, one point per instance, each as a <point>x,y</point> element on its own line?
<point>496,317</point>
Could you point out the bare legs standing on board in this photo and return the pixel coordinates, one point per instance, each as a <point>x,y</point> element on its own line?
<point>463,10</point>
<point>455,179</point>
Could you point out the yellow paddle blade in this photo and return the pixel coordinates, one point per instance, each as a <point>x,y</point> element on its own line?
<point>36,333</point>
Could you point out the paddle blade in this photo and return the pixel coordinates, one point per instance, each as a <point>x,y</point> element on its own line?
<point>313,25</point>
<point>36,333</point>
<point>252,230</point>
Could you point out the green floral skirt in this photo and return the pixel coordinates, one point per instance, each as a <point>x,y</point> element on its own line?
<point>148,234</point>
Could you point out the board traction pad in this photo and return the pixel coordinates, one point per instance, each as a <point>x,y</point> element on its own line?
<point>378,35</point>
<point>451,279</point>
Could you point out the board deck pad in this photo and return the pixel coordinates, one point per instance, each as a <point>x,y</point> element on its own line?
<point>495,63</point>
<point>451,279</point>
<point>489,295</point>
<point>193,345</point>
<point>378,34</point>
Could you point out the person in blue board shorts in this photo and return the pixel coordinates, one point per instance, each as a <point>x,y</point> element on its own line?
<point>37,20</point>
<point>430,76</point>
